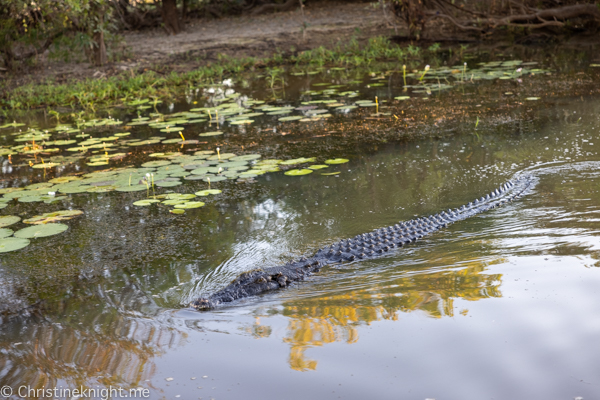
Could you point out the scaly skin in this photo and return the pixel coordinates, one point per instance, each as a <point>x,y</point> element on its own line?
<point>369,245</point>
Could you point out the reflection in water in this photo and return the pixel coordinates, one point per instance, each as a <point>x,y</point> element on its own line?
<point>87,346</point>
<point>335,318</point>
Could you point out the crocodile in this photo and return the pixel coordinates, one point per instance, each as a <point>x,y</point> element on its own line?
<point>364,246</point>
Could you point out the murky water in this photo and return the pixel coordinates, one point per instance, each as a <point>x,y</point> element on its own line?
<point>503,305</point>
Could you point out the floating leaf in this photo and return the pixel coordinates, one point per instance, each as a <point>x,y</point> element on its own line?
<point>319,166</point>
<point>153,164</point>
<point>168,183</point>
<point>207,192</point>
<point>532,98</point>
<point>330,173</point>
<point>146,202</point>
<point>173,202</point>
<point>131,188</point>
<point>291,118</point>
<point>46,165</point>
<point>215,133</point>
<point>402,97</point>
<point>191,204</point>
<point>295,161</point>
<point>5,232</point>
<point>297,172</point>
<point>177,211</point>
<point>337,161</point>
<point>223,156</point>
<point>12,244</point>
<point>41,231</point>
<point>53,216</point>
<point>8,220</point>
<point>246,157</point>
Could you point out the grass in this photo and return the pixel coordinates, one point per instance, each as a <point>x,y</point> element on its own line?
<point>91,94</point>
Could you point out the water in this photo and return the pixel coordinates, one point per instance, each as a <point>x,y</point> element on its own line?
<point>502,305</point>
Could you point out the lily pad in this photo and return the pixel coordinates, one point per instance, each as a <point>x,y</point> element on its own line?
<point>5,232</point>
<point>402,97</point>
<point>337,161</point>
<point>330,173</point>
<point>297,172</point>
<point>153,164</point>
<point>290,118</point>
<point>53,216</point>
<point>12,244</point>
<point>131,188</point>
<point>190,204</point>
<point>214,133</point>
<point>246,157</point>
<point>214,178</point>
<point>207,192</point>
<point>173,202</point>
<point>177,211</point>
<point>41,231</point>
<point>146,202</point>
<point>45,165</point>
<point>318,166</point>
<point>168,183</point>
<point>8,220</point>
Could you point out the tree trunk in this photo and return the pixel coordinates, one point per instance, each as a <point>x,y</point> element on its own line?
<point>99,57</point>
<point>170,17</point>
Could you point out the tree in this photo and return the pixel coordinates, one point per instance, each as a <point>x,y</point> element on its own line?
<point>28,27</point>
<point>170,16</point>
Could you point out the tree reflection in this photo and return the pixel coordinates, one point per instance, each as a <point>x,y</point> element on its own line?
<point>328,319</point>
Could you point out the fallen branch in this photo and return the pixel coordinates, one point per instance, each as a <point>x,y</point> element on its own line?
<point>549,17</point>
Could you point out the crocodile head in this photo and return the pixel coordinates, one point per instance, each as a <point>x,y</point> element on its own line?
<point>202,304</point>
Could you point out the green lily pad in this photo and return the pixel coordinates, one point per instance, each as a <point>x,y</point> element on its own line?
<point>330,173</point>
<point>295,161</point>
<point>153,164</point>
<point>12,244</point>
<point>337,161</point>
<point>241,122</point>
<point>214,178</point>
<point>318,166</point>
<point>173,202</point>
<point>53,216</point>
<point>190,204</point>
<point>223,156</point>
<point>291,118</point>
<point>74,189</point>
<point>173,129</point>
<point>208,191</point>
<point>177,211</point>
<point>297,172</point>
<point>132,188</point>
<point>8,220</point>
<point>146,202</point>
<point>5,232</point>
<point>168,183</point>
<point>45,165</point>
<point>246,157</point>
<point>41,231</point>
<point>30,199</point>
<point>402,97</point>
<point>215,133</point>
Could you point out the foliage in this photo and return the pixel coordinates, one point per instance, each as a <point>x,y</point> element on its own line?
<point>28,28</point>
